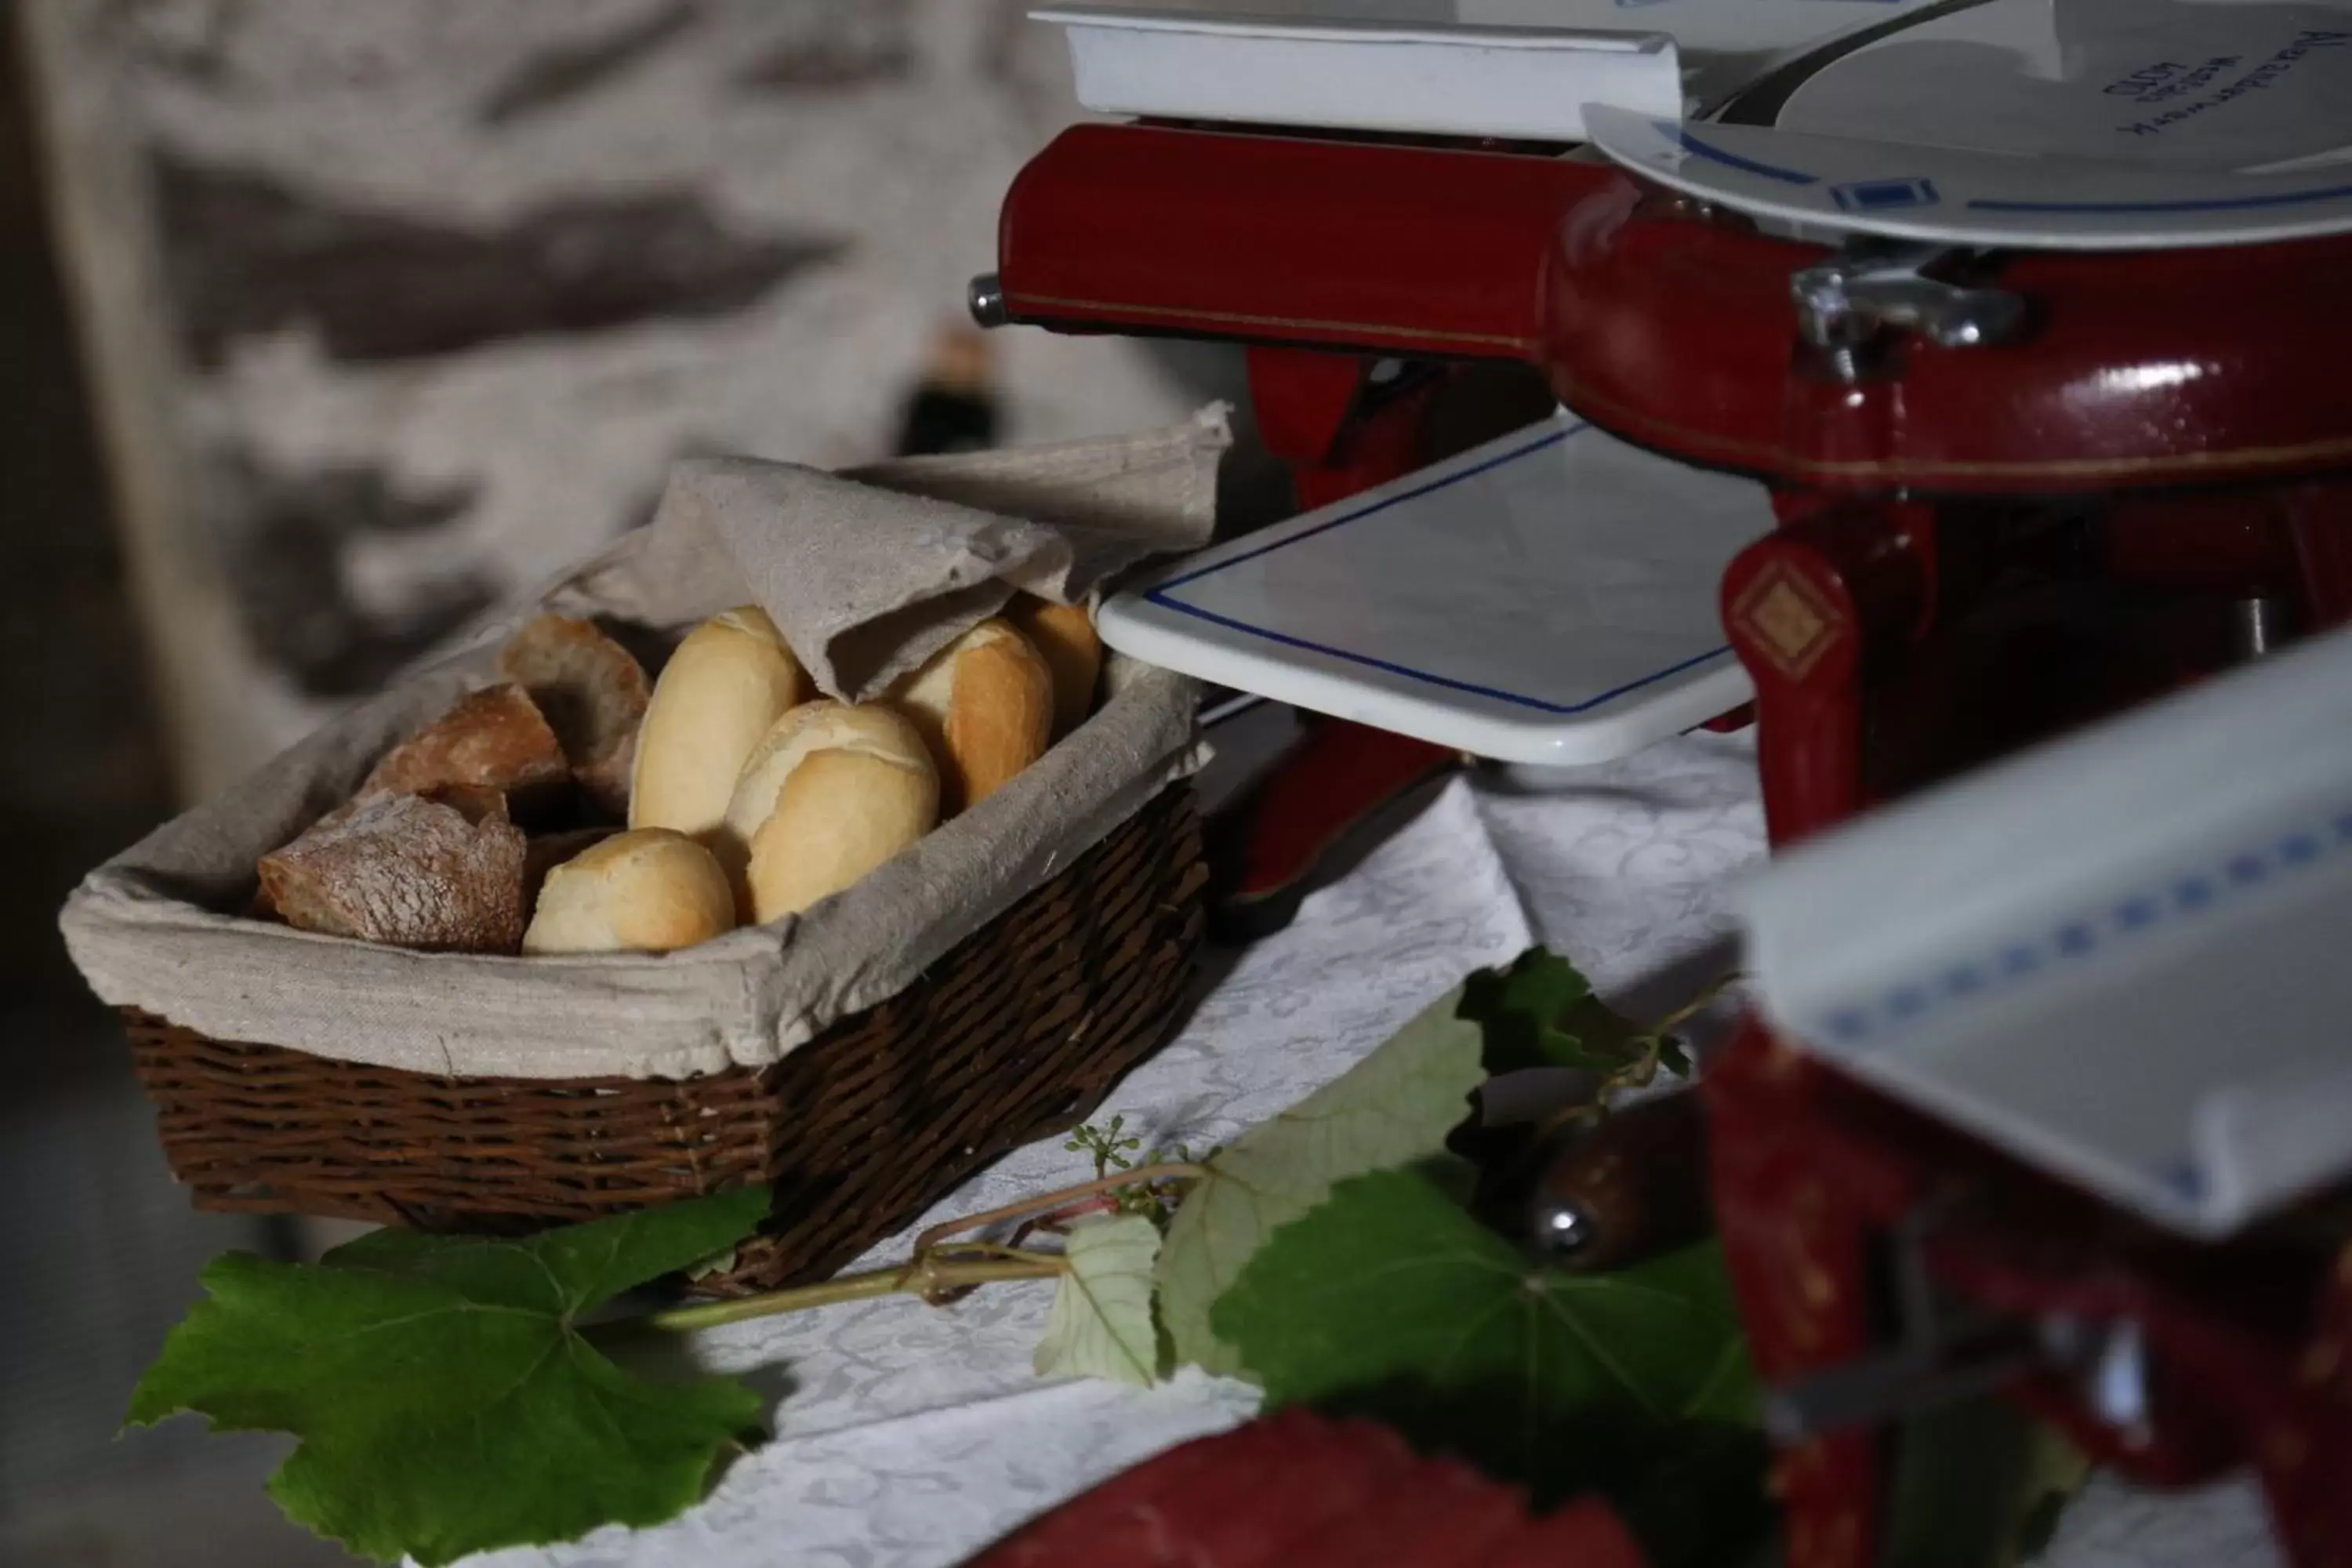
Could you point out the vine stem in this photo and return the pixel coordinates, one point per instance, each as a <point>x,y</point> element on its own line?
<point>1644,1069</point>
<point>1141,1175</point>
<point>1700,1004</point>
<point>926,1275</point>
<point>932,1272</point>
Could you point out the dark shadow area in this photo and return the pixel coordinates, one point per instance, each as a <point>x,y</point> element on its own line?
<point>99,1250</point>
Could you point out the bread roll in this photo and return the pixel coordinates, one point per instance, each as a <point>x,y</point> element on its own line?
<point>1064,636</point>
<point>546,851</point>
<point>985,705</point>
<point>406,871</point>
<point>839,815</point>
<point>829,793</point>
<point>725,686</point>
<point>645,891</point>
<point>594,693</point>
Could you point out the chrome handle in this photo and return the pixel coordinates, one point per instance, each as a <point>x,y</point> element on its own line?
<point>1845,303</point>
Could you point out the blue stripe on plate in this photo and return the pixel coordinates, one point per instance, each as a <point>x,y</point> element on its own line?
<point>1160,594</point>
<point>1157,597</point>
<point>1713,155</point>
<point>2202,205</point>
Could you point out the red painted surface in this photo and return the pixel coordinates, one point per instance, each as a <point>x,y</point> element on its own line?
<point>2249,1342</point>
<point>1978,548</point>
<point>1304,400</point>
<point>1296,1491</point>
<point>1434,252</point>
<point>1804,607</point>
<point>2319,523</point>
<point>2160,368</point>
<point>1338,775</point>
<point>2143,369</point>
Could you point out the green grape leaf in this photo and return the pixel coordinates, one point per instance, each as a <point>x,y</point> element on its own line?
<point>446,1398</point>
<point>1390,1301</point>
<point>1394,1107</point>
<point>1541,1013</point>
<point>1101,1324</point>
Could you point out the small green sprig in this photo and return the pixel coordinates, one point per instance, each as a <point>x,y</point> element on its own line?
<point>1155,1198</point>
<point>1108,1149</point>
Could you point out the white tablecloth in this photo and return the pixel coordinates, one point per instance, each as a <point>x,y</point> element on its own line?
<point>908,1436</point>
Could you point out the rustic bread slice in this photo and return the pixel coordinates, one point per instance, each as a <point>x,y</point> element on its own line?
<point>594,693</point>
<point>405,871</point>
<point>476,804</point>
<point>495,739</point>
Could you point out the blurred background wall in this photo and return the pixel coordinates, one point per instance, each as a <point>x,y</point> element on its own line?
<point>327,324</point>
<point>443,286</point>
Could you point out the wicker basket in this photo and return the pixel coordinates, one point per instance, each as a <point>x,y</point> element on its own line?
<point>1017,1033</point>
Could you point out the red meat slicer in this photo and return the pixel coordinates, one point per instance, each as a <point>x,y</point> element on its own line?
<point>2041,449</point>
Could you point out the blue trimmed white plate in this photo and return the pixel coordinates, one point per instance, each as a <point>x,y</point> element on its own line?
<point>2057,125</point>
<point>1548,598</point>
<point>2119,956</point>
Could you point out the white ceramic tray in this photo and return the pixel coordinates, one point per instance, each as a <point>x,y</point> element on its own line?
<point>1437,78</point>
<point>1548,598</point>
<point>2120,957</point>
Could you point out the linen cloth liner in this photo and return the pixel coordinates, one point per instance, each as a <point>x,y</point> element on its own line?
<point>864,581</point>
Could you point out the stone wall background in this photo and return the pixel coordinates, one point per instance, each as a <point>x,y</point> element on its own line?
<point>446,284</point>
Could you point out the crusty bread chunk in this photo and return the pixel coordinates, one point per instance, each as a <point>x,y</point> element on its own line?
<point>405,871</point>
<point>497,739</point>
<point>594,693</point>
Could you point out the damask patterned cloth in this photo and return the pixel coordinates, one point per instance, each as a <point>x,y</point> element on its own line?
<point>908,1436</point>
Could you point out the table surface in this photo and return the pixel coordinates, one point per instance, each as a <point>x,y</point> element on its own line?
<point>908,1437</point>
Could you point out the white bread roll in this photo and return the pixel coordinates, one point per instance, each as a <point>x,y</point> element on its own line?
<point>985,707</point>
<point>829,793</point>
<point>645,891</point>
<point>725,686</point>
<point>1065,636</point>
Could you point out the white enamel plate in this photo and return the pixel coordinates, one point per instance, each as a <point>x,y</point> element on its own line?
<point>1548,598</point>
<point>2058,125</point>
<point>2119,956</point>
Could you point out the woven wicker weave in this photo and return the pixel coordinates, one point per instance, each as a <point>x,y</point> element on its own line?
<point>1017,1033</point>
